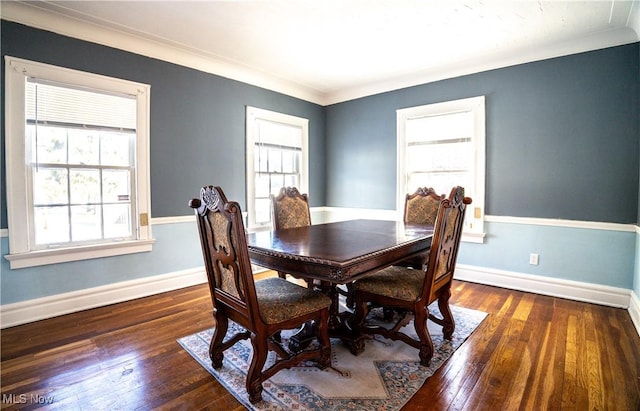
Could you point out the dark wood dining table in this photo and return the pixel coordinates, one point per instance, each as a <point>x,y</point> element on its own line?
<point>339,253</point>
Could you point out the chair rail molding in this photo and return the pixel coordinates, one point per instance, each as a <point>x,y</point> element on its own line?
<point>557,222</point>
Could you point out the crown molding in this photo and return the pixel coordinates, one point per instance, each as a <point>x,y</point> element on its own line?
<point>32,15</point>
<point>480,63</point>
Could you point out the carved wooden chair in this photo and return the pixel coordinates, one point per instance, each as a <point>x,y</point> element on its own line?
<point>410,291</point>
<point>290,210</point>
<point>264,307</point>
<point>421,207</point>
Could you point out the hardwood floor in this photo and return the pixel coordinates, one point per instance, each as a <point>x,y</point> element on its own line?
<point>531,353</point>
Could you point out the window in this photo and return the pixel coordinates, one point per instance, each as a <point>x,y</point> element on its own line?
<point>443,145</point>
<point>77,161</point>
<point>277,156</point>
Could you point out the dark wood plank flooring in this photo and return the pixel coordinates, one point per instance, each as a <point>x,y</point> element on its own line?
<point>532,353</point>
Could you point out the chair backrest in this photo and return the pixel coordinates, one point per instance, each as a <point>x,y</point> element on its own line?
<point>290,209</point>
<point>421,207</point>
<point>226,256</point>
<point>446,242</point>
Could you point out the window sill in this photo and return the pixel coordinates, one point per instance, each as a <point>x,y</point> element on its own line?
<point>63,255</point>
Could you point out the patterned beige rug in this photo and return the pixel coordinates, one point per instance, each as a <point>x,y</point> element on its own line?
<point>384,377</point>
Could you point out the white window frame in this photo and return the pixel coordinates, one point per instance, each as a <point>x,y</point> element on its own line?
<point>476,105</point>
<point>19,201</point>
<point>253,115</point>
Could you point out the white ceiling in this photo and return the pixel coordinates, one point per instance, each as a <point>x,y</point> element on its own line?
<point>328,51</point>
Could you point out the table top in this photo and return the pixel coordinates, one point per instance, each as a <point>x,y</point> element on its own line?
<point>339,252</point>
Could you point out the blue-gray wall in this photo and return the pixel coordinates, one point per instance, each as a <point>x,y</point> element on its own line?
<point>563,141</point>
<point>636,277</point>
<point>562,138</point>
<point>197,119</point>
<point>197,138</point>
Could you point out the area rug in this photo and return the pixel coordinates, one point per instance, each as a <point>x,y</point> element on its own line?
<point>384,377</point>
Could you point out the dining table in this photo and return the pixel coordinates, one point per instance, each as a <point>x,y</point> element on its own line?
<point>339,253</point>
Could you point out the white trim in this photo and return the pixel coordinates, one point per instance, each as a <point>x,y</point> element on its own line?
<point>326,214</point>
<point>321,215</point>
<point>345,213</point>
<point>573,290</point>
<point>41,308</point>
<point>477,238</point>
<point>591,225</point>
<point>254,116</point>
<point>332,214</point>
<point>63,255</point>
<point>173,220</point>
<point>482,63</point>
<point>192,218</point>
<point>23,251</point>
<point>29,14</point>
<point>633,20</point>
<point>634,311</point>
<point>474,221</point>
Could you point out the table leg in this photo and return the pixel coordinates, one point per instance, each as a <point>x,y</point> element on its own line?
<point>301,340</point>
<point>338,327</point>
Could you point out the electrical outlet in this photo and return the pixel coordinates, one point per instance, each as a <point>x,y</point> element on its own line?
<point>533,259</point>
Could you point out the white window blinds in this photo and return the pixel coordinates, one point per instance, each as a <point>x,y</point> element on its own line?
<point>50,103</point>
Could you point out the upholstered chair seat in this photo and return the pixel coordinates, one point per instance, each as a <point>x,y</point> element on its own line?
<point>410,291</point>
<point>279,300</point>
<point>400,283</point>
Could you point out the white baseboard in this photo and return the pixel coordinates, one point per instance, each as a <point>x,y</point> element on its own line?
<point>634,311</point>
<point>572,290</point>
<point>40,308</point>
